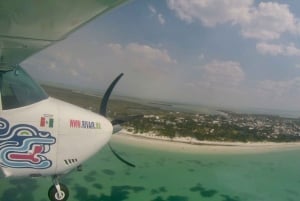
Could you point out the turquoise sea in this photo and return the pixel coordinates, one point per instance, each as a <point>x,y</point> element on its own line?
<point>172,176</point>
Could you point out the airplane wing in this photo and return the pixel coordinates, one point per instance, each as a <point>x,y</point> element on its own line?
<point>27,26</point>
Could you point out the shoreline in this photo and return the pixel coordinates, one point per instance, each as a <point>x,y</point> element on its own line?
<point>188,145</point>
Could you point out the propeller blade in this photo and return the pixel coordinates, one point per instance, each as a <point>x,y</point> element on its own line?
<point>117,128</point>
<point>116,123</point>
<point>106,96</point>
<point>121,120</point>
<point>125,119</point>
<point>119,157</point>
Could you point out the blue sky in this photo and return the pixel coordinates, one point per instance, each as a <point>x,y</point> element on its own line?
<point>227,53</point>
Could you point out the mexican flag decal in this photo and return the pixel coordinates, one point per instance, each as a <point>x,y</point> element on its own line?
<point>47,121</point>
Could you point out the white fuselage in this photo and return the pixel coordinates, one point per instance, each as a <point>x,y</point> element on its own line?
<point>49,137</point>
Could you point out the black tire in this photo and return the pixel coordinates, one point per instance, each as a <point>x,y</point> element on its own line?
<point>53,195</point>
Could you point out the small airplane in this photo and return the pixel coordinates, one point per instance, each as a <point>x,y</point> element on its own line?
<point>40,135</point>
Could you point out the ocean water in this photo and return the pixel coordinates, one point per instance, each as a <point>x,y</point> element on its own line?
<point>172,176</point>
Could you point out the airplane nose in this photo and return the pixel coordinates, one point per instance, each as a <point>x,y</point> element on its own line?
<point>80,135</point>
<point>106,128</point>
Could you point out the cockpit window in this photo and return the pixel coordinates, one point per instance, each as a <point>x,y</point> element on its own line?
<point>18,89</point>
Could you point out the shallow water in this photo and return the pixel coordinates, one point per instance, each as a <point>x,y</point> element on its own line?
<point>171,176</point>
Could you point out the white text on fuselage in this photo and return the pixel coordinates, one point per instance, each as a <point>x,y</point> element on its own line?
<point>84,124</point>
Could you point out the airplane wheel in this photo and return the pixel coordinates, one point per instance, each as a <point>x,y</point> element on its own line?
<point>53,194</point>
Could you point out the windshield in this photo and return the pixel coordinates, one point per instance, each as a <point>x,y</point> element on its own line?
<point>18,89</point>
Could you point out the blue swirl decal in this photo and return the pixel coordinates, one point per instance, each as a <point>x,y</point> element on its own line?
<point>24,146</point>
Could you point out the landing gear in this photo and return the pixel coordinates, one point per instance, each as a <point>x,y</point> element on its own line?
<point>58,192</point>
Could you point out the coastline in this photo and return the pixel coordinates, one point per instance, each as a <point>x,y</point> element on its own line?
<point>188,145</point>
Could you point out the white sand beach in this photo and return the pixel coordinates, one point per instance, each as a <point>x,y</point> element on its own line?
<point>189,145</point>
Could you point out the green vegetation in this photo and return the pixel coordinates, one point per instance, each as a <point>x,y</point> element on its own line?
<point>229,127</point>
<point>241,127</point>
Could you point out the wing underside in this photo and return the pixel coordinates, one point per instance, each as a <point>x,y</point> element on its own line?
<point>28,26</point>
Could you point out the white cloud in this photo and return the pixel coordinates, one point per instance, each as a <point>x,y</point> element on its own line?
<point>211,12</point>
<point>116,48</point>
<point>158,15</point>
<point>267,21</point>
<point>152,9</point>
<point>161,19</point>
<point>52,65</point>
<point>274,87</point>
<point>297,66</point>
<point>292,50</point>
<point>150,53</point>
<point>218,83</point>
<point>267,48</point>
<point>277,49</point>
<point>81,63</point>
<point>201,57</point>
<point>150,71</point>
<point>280,89</point>
<point>222,74</point>
<point>143,53</point>
<point>74,73</point>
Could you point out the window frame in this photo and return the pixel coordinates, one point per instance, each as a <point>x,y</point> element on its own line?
<point>33,92</point>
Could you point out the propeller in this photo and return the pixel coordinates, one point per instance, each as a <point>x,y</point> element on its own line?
<point>116,122</point>
<point>122,120</point>
<point>119,157</point>
<point>103,106</point>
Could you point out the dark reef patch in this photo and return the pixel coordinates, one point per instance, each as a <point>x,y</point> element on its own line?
<point>22,190</point>
<point>291,192</point>
<point>108,172</point>
<point>203,191</point>
<point>97,186</point>
<point>206,164</point>
<point>118,193</point>
<point>230,198</point>
<point>172,198</point>
<point>191,170</point>
<point>161,189</point>
<point>89,179</point>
